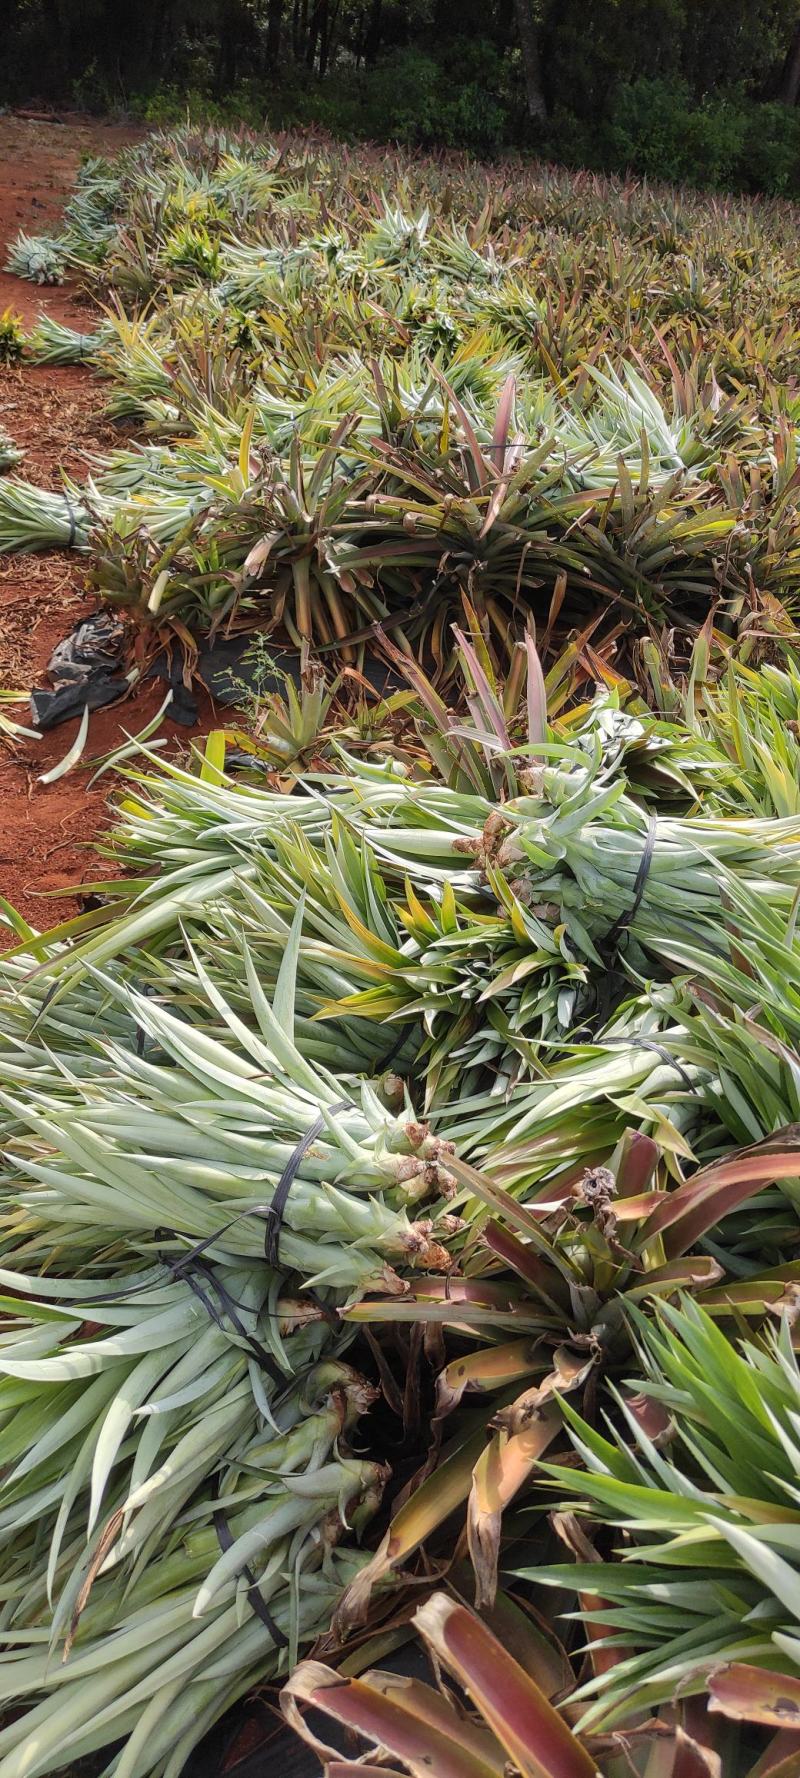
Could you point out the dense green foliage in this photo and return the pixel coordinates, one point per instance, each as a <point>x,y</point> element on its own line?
<point>160,1068</point>
<point>445,1027</point>
<point>370,383</point>
<point>675,89</point>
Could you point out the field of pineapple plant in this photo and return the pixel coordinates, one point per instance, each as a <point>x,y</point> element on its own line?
<point>400,1229</point>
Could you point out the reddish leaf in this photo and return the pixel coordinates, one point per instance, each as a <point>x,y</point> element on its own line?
<point>683,1216</point>
<point>479,462</point>
<point>568,1527</point>
<point>360,1706</point>
<point>542,1656</point>
<point>693,1760</point>
<point>781,1759</point>
<point>505,415</point>
<point>489,704</point>
<point>534,1735</point>
<point>752,1694</point>
<point>537,1272</point>
<point>651,1415</point>
<point>349,1768</point>
<point>691,1272</point>
<point>636,1163</point>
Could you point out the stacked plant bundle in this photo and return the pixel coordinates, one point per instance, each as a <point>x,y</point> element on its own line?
<point>217,1175</point>
<point>505,892</point>
<point>324,540</point>
<point>560,259</point>
<point>453,1051</point>
<point>11,347</point>
<point>181,1443</point>
<point>144,1475</point>
<point>328,371</point>
<point>9,454</point>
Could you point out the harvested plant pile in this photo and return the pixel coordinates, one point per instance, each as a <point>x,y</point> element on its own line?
<point>438,1057</point>
<point>370,384</point>
<point>491,1036</point>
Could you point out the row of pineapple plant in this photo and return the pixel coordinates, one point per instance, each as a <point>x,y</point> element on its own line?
<point>365,393</point>
<point>450,1049</point>
<point>481,1047</point>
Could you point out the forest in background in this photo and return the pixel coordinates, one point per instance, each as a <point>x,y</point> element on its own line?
<point>704,91</point>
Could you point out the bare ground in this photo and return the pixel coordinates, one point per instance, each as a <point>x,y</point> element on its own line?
<point>55,415</point>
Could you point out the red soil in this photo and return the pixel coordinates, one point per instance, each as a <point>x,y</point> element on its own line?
<point>55,415</point>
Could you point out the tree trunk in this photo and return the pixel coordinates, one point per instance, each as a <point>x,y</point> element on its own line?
<point>316,29</point>
<point>157,37</point>
<point>789,89</point>
<point>324,36</point>
<point>274,22</point>
<point>528,33</point>
<point>505,24</point>
<point>372,42</point>
<point>229,47</point>
<point>327,39</point>
<point>60,62</point>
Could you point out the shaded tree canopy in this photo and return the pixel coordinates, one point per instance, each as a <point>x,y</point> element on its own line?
<point>606,81</point>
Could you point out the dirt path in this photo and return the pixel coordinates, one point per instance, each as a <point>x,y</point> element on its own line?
<point>55,416</point>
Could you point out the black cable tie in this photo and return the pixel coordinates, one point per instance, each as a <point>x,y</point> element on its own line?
<point>621,925</point>
<point>648,1043</point>
<point>273,1215</point>
<point>659,1049</point>
<point>49,996</point>
<point>225,1540</point>
<point>406,1029</point>
<point>73,527</point>
<point>275,1212</point>
<point>188,1269</point>
<point>147,992</point>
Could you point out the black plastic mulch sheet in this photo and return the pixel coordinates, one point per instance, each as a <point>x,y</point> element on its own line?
<point>252,1741</point>
<point>85,668</point>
